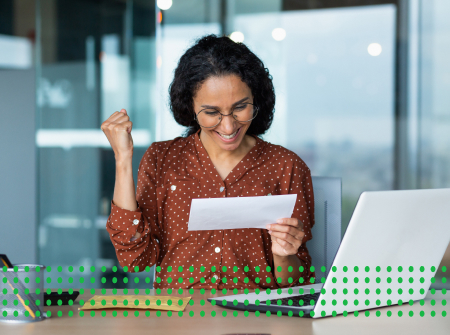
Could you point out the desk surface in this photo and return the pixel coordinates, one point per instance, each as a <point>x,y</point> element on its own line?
<point>239,324</point>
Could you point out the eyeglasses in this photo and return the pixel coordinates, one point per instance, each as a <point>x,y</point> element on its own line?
<point>210,118</point>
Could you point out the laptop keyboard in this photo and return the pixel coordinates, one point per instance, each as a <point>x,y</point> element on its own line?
<point>297,300</point>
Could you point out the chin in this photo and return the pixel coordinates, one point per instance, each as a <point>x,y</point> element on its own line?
<point>229,147</point>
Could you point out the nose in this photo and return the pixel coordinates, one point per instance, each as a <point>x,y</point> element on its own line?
<point>227,124</point>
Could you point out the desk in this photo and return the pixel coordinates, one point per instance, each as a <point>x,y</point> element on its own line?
<point>238,325</point>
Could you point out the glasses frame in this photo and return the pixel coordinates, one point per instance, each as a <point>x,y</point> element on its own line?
<point>255,113</point>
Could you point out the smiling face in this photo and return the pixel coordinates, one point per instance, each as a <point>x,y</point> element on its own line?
<point>224,94</point>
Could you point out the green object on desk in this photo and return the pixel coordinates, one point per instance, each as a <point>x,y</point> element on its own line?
<point>165,303</point>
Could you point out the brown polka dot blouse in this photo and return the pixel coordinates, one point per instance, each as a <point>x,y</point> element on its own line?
<point>171,174</point>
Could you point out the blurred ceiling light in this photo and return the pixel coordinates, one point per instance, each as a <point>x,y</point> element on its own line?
<point>312,58</point>
<point>278,34</point>
<point>237,36</point>
<point>164,4</point>
<point>374,49</point>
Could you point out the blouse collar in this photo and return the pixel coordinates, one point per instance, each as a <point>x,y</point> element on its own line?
<point>243,166</point>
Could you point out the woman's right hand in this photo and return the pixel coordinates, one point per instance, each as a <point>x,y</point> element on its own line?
<point>117,129</point>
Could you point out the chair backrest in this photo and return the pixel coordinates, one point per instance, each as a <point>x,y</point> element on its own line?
<point>326,231</point>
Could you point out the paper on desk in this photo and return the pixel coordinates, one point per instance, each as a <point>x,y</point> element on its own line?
<point>239,212</point>
<point>163,303</point>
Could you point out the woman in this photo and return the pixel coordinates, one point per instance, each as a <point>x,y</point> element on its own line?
<point>224,95</point>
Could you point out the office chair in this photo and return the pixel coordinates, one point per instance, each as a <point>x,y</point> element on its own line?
<point>326,231</point>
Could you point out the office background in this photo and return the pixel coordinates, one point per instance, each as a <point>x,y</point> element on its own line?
<point>361,85</point>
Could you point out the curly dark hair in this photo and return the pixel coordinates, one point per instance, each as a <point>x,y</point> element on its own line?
<point>219,56</point>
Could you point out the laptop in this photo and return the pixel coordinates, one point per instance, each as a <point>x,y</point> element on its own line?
<point>389,255</point>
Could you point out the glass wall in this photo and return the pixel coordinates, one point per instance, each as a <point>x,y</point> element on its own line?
<point>333,71</point>
<point>95,57</point>
<point>430,101</point>
<point>433,99</point>
<point>336,74</point>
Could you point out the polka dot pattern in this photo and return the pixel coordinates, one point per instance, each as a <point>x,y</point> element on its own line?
<point>170,175</point>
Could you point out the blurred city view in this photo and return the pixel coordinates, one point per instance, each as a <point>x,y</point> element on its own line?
<point>361,94</point>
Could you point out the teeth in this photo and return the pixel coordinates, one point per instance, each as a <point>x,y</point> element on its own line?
<point>229,136</point>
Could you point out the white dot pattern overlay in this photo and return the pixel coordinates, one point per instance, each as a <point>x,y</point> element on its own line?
<point>170,175</point>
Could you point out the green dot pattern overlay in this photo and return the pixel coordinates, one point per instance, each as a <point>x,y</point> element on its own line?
<point>357,296</point>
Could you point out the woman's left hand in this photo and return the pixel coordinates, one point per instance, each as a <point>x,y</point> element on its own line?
<point>287,236</point>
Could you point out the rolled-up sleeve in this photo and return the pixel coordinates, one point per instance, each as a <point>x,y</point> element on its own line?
<point>122,224</point>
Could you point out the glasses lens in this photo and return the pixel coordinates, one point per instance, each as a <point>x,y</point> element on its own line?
<point>244,112</point>
<point>208,118</point>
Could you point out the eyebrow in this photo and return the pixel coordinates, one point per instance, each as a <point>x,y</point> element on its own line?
<point>216,107</point>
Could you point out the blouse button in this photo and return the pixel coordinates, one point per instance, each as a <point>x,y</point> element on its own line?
<point>173,187</point>
<point>217,250</point>
<point>222,188</point>
<point>216,277</point>
<point>135,222</point>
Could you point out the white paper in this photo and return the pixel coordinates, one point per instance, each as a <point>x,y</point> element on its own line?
<point>239,212</point>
